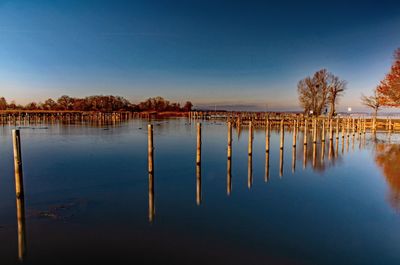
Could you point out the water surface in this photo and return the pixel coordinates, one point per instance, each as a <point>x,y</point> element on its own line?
<point>87,197</point>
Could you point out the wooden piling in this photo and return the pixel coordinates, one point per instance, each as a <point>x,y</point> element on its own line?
<point>250,143</point>
<point>198,148</point>
<point>315,124</point>
<point>282,135</point>
<point>150,148</point>
<point>229,140</point>
<point>305,132</point>
<point>19,191</point>
<point>267,136</point>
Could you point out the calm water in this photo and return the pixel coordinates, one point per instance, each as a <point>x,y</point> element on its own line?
<point>87,198</point>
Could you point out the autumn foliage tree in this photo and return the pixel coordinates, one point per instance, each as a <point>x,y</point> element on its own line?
<point>389,88</point>
<point>316,92</point>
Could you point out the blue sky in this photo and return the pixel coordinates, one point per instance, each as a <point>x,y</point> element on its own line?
<point>247,54</point>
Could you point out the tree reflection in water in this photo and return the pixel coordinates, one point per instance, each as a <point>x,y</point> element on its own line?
<point>387,157</point>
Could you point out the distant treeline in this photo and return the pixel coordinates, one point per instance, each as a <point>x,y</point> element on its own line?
<point>98,103</point>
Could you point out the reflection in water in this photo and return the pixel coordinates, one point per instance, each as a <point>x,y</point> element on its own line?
<point>250,171</point>
<point>330,149</point>
<point>387,157</point>
<point>229,177</point>
<point>198,184</point>
<point>280,162</point>
<point>151,197</point>
<point>21,229</point>
<point>294,159</point>
<point>266,178</point>
<point>322,151</point>
<point>304,156</point>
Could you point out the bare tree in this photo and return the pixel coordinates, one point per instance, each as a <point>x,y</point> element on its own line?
<point>317,91</point>
<point>372,102</point>
<point>336,90</point>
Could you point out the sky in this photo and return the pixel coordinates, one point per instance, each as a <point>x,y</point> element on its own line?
<point>230,54</point>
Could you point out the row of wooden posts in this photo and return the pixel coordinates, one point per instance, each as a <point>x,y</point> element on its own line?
<point>358,127</point>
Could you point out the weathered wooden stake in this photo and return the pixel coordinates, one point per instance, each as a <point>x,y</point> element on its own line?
<point>198,149</point>
<point>150,148</point>
<point>267,136</point>
<point>305,132</point>
<point>282,138</point>
<point>294,134</point>
<point>19,191</point>
<point>229,140</point>
<point>250,143</point>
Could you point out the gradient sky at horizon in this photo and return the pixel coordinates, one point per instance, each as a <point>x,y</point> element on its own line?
<point>246,54</point>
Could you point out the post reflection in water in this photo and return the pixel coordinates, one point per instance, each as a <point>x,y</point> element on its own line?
<point>151,197</point>
<point>280,162</point>
<point>250,171</point>
<point>21,229</point>
<point>304,156</point>
<point>294,159</point>
<point>229,176</point>
<point>314,155</point>
<point>330,149</point>
<point>266,177</point>
<point>198,184</point>
<point>337,147</point>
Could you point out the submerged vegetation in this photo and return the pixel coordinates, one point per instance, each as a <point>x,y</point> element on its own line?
<point>98,103</point>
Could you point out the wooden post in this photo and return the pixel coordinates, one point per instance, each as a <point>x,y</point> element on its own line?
<point>305,132</point>
<point>150,148</point>
<point>198,149</point>
<point>267,136</point>
<point>229,140</point>
<point>229,175</point>
<point>19,191</point>
<point>250,143</point>
<point>337,128</point>
<point>19,182</point>
<point>294,134</point>
<point>314,130</point>
<point>282,138</point>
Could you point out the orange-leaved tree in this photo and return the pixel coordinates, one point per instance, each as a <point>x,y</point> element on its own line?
<point>389,88</point>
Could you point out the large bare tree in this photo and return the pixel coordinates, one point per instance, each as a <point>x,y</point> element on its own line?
<point>317,91</point>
